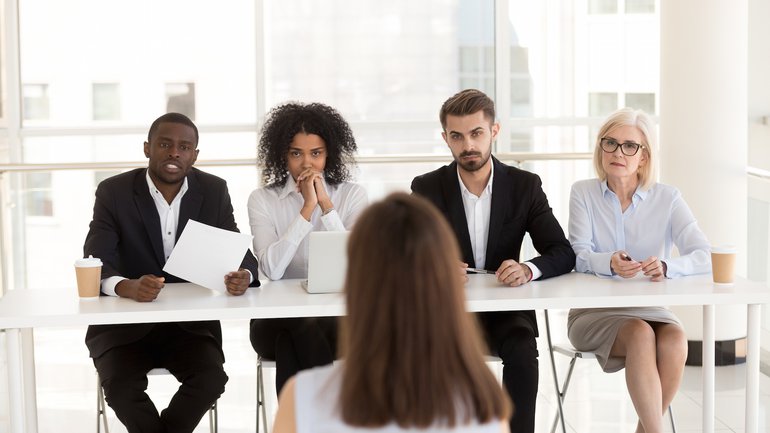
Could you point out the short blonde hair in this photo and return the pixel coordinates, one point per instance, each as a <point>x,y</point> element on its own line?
<point>643,122</point>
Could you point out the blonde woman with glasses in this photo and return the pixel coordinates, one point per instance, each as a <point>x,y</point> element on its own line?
<point>624,225</point>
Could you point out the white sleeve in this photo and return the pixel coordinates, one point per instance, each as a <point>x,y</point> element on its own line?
<point>536,272</point>
<point>581,237</point>
<point>109,284</point>
<point>694,250</point>
<point>274,250</point>
<point>351,204</point>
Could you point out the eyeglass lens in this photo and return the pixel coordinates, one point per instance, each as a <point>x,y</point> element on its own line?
<point>629,148</point>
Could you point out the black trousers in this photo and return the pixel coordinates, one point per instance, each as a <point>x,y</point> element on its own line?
<point>514,342</point>
<point>295,343</point>
<point>194,360</point>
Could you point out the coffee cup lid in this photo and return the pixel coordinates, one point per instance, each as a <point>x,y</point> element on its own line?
<point>724,249</point>
<point>89,262</point>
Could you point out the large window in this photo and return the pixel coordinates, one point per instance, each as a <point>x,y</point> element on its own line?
<point>153,49</point>
<point>387,66</point>
<point>91,84</point>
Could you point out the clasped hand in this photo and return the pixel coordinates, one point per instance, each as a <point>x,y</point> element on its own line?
<point>310,184</point>
<point>622,264</point>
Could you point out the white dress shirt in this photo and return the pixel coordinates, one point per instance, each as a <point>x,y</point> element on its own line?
<point>657,220</point>
<point>280,232</point>
<point>169,219</point>
<point>477,212</point>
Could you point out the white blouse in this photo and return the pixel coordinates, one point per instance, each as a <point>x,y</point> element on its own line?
<point>316,401</point>
<point>280,232</point>
<point>657,220</point>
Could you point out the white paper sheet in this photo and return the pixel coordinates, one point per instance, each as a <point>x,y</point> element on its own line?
<point>204,255</point>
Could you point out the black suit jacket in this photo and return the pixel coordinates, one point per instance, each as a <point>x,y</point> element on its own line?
<point>125,234</point>
<point>519,205</point>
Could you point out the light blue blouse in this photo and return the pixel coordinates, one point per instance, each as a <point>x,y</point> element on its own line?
<point>657,220</point>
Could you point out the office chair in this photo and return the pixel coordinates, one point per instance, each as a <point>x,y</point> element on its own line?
<point>101,405</point>
<point>561,392</point>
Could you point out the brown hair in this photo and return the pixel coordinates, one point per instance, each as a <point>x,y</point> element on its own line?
<point>467,102</point>
<point>413,355</point>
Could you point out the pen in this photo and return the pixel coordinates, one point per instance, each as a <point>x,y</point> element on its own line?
<point>478,271</point>
<point>625,257</point>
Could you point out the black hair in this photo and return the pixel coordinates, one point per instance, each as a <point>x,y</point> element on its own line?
<point>285,121</point>
<point>172,118</point>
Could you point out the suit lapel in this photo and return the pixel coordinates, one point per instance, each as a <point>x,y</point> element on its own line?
<point>149,214</point>
<point>502,185</point>
<point>453,198</point>
<point>190,208</point>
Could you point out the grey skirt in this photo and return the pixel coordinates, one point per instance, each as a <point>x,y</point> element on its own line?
<point>595,329</point>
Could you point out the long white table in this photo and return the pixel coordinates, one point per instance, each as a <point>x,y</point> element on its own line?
<point>26,309</point>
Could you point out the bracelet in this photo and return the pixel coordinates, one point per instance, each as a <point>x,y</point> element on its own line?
<point>328,210</point>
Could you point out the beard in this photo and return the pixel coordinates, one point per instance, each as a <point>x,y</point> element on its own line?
<point>473,165</point>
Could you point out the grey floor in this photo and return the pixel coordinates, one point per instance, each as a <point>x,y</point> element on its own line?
<point>597,402</point>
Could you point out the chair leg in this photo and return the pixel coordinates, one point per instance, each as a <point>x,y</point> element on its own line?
<point>559,393</point>
<point>213,419</point>
<point>261,398</point>
<point>101,408</point>
<point>671,416</point>
<point>259,385</point>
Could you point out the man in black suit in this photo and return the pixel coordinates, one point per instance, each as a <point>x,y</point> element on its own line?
<point>138,216</point>
<point>490,206</point>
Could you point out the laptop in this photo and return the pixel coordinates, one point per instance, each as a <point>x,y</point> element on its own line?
<point>327,262</point>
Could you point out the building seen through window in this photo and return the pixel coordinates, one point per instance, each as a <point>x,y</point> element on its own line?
<point>180,98</point>
<point>640,6</point>
<point>35,102</point>
<point>641,101</point>
<point>602,103</point>
<point>38,194</point>
<point>106,101</point>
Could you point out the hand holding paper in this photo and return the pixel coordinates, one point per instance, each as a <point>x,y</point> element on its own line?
<point>205,255</point>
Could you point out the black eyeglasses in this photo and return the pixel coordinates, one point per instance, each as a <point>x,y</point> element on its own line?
<point>629,148</point>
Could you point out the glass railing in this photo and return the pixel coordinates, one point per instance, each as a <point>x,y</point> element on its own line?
<point>48,206</point>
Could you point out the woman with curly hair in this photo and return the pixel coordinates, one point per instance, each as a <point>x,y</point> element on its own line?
<point>305,154</point>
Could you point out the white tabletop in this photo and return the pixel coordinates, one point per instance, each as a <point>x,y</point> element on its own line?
<point>21,309</point>
<point>286,298</point>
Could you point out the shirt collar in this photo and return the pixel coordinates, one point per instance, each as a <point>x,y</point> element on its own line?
<point>153,188</point>
<point>487,189</point>
<point>639,194</point>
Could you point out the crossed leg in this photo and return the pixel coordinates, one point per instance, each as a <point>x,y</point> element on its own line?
<point>655,355</point>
